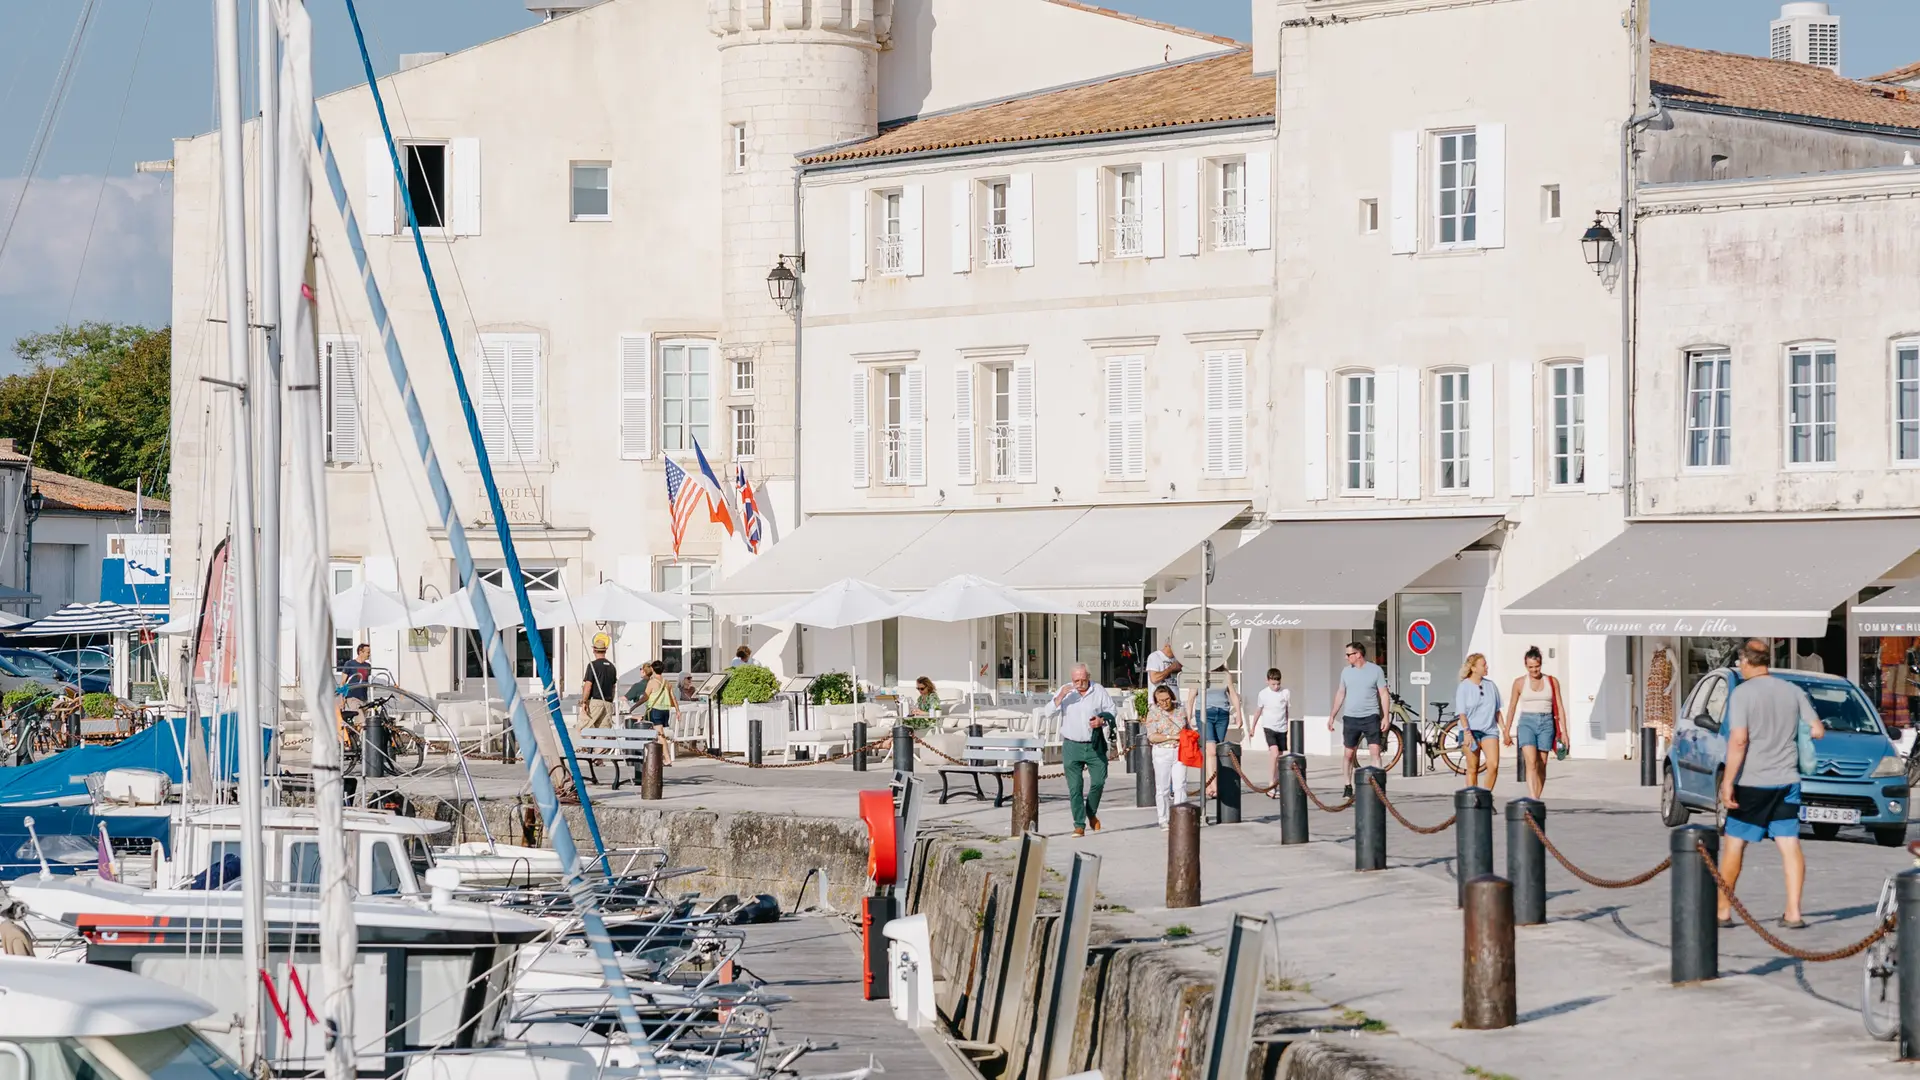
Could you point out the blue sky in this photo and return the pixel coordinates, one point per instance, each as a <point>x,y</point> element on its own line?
<point>144,76</point>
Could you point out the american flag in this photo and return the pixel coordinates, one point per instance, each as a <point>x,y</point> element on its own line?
<point>749,510</point>
<point>682,498</point>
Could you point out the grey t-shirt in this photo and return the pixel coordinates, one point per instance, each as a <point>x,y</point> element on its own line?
<point>1362,685</point>
<point>1770,709</point>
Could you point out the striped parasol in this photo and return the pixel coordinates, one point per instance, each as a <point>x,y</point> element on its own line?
<point>101,617</point>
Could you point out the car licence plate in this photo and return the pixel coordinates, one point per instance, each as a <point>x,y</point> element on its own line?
<point>1830,815</point>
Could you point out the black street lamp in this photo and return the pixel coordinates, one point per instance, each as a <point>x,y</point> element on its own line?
<point>1598,242</point>
<point>783,284</point>
<point>35,503</point>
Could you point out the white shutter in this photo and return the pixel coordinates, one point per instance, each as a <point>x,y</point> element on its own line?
<point>913,244</point>
<point>1215,383</point>
<point>1116,417</point>
<point>1186,224</point>
<point>377,218</point>
<point>960,256</point>
<point>1313,426</point>
<point>857,238</point>
<point>636,397</point>
<point>1236,414</point>
<point>1025,469</point>
<point>1403,202</point>
<point>1521,403</point>
<point>1599,404</point>
<point>1480,430</point>
<point>1490,184</point>
<point>861,469</point>
<point>1020,217</point>
<point>1135,404</point>
<point>465,193</point>
<point>1087,187</point>
<point>1410,446</point>
<point>1259,196</point>
<point>915,416</point>
<point>1386,433</point>
<point>964,439</point>
<point>345,432</point>
<point>523,408</point>
<point>1153,209</point>
<point>493,395</point>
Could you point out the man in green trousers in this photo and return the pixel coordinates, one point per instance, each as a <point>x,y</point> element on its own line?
<point>1086,711</point>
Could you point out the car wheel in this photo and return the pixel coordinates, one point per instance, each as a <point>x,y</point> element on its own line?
<point>1673,812</point>
<point>1824,830</point>
<point>1889,835</point>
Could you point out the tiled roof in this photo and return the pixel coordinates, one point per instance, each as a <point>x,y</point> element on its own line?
<point>1777,86</point>
<point>1898,75</point>
<point>1156,24</point>
<point>65,492</point>
<point>1205,90</point>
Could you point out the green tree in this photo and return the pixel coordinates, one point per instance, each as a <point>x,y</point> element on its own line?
<point>94,402</point>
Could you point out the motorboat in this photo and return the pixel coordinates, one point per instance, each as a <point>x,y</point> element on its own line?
<point>62,1020</point>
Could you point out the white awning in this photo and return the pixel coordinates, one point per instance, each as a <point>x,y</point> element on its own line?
<point>1100,558</point>
<point>1717,578</point>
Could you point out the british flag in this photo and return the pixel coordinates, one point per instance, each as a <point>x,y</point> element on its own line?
<point>749,511</point>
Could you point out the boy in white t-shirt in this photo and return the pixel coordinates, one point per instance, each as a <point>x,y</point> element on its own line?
<point>1275,705</point>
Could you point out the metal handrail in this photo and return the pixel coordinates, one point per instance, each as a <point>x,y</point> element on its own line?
<point>453,745</point>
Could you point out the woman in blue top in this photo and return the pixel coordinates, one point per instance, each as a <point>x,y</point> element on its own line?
<point>1477,703</point>
<point>1221,702</point>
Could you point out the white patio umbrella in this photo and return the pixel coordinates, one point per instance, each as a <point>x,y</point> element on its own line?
<point>457,610</point>
<point>368,605</point>
<point>614,603</point>
<point>965,597</point>
<point>843,605</point>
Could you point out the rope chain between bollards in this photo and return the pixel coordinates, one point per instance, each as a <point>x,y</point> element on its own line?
<point>1397,816</point>
<point>877,744</point>
<point>951,760</point>
<point>1251,784</point>
<point>1886,927</point>
<point>1596,882</point>
<point>1315,798</point>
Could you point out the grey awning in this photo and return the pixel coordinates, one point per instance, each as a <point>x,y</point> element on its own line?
<point>1894,613</point>
<point>1322,575</point>
<point>1716,578</point>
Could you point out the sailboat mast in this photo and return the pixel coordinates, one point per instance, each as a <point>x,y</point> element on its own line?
<point>265,380</point>
<point>233,200</point>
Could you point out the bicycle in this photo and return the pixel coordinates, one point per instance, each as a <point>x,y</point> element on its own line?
<point>1880,982</point>
<point>1442,739</point>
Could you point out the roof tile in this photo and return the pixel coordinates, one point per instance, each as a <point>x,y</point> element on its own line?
<point>1777,86</point>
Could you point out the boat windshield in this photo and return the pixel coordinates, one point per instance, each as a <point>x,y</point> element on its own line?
<point>171,1054</point>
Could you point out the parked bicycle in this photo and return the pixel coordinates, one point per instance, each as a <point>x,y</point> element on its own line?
<point>1880,983</point>
<point>1442,738</point>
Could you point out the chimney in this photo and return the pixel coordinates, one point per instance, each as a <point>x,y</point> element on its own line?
<point>1266,36</point>
<point>1806,33</point>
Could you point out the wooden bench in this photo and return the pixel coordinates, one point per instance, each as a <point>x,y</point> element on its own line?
<point>614,745</point>
<point>990,755</point>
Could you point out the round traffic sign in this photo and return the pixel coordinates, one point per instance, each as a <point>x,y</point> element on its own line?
<point>1420,637</point>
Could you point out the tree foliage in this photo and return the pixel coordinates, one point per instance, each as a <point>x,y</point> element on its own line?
<point>97,397</point>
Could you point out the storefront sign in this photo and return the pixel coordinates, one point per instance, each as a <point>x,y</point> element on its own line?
<point>1677,625</point>
<point>137,569</point>
<point>1263,620</point>
<point>1889,625</point>
<point>524,505</point>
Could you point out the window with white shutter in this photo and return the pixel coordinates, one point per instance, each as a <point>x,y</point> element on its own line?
<point>913,242</point>
<point>510,396</point>
<point>376,213</point>
<point>965,445</point>
<point>1126,418</point>
<point>1153,210</point>
<point>463,199</point>
<point>1386,411</point>
<point>859,464</point>
<point>1408,446</point>
<point>1357,403</point>
<point>1480,430</point>
<point>1226,400</point>
<point>1020,217</point>
<point>1493,184</point>
<point>915,423</point>
<point>1025,452</point>
<point>1599,429</point>
<point>636,396</point>
<point>1313,428</point>
<point>340,368</point>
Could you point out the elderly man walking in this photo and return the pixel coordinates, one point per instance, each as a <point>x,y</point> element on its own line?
<point>1761,787</point>
<point>1085,711</point>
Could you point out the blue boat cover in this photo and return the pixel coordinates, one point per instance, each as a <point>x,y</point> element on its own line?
<point>161,747</point>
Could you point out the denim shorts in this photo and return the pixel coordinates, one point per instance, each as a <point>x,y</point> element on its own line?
<point>1216,729</point>
<point>1535,729</point>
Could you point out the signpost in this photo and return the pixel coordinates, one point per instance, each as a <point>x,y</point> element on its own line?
<point>1420,641</point>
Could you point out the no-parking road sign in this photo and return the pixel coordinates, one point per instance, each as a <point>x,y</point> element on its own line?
<point>1420,637</point>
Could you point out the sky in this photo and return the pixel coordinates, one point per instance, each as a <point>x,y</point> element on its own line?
<point>91,239</point>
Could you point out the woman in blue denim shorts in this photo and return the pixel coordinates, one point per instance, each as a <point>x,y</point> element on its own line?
<point>1536,702</point>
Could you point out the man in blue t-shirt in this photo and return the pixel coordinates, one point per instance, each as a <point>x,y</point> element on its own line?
<point>1360,706</point>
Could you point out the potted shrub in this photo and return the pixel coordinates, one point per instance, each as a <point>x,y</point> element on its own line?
<point>745,697</point>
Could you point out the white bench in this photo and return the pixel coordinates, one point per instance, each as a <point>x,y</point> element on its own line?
<point>989,755</point>
<point>614,745</point>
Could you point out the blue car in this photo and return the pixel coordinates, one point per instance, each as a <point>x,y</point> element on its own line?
<point>1859,777</point>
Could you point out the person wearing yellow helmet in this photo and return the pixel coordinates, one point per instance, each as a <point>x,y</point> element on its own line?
<point>596,692</point>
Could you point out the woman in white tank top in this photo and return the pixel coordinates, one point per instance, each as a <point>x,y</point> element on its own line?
<point>1534,716</point>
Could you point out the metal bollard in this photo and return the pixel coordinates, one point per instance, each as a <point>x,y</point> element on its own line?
<point>373,758</point>
<point>1527,862</point>
<point>1141,755</point>
<point>1695,914</point>
<point>859,746</point>
<point>1133,743</point>
<point>1293,799</point>
<point>902,748</point>
<point>1183,856</point>
<point>1487,991</point>
<point>1472,837</point>
<point>1649,757</point>
<point>754,736</point>
<point>1297,739</point>
<point>1226,783</point>
<point>1409,750</point>
<point>1369,820</point>
<point>1906,892</point>
<point>1026,797</point>
<point>651,774</point>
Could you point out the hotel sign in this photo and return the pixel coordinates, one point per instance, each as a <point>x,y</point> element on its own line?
<point>525,504</point>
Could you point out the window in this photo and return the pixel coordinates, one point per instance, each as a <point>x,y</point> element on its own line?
<point>743,434</point>
<point>1906,401</point>
<point>1000,440</point>
<point>1230,206</point>
<point>1369,215</point>
<point>591,200</point>
<point>686,397</point>
<point>510,396</point>
<point>536,579</point>
<point>737,146</point>
<point>687,645</point>
<point>1454,389</point>
<point>1356,430</point>
<point>303,865</point>
<point>1456,217</point>
<point>1129,234</point>
<point>343,576</point>
<point>1709,409</point>
<point>893,426</point>
<point>1226,415</point>
<point>340,372</point>
<point>1550,203</point>
<point>386,870</point>
<point>1812,387</point>
<point>1567,391</point>
<point>1126,418</point>
<point>892,242</point>
<point>997,236</point>
<point>426,184</point>
<point>743,376</point>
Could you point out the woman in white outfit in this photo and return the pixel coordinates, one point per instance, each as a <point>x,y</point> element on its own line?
<point>1165,720</point>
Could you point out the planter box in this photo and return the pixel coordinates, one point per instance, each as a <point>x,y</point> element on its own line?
<point>774,716</point>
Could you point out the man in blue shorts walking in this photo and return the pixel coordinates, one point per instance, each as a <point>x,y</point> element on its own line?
<point>1360,706</point>
<point>1761,787</point>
